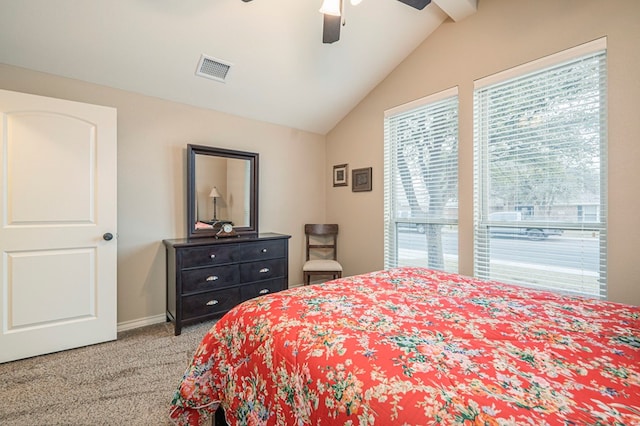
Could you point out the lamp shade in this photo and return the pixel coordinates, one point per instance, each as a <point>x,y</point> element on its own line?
<point>214,193</point>
<point>331,7</point>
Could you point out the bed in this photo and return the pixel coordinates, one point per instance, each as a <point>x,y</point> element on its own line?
<point>413,346</point>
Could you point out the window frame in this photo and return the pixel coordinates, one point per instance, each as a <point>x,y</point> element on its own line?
<point>482,222</point>
<point>391,219</point>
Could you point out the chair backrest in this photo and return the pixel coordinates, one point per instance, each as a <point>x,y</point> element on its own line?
<point>327,232</point>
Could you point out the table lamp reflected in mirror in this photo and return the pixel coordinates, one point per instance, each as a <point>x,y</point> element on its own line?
<point>215,195</point>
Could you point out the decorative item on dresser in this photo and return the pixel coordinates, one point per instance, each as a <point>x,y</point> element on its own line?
<point>206,277</point>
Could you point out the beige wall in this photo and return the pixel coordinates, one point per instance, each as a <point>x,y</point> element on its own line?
<point>152,139</point>
<point>501,35</point>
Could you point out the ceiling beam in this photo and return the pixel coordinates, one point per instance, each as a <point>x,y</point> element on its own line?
<point>418,4</point>
<point>458,9</point>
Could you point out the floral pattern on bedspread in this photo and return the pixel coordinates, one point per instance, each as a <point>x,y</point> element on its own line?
<point>412,346</point>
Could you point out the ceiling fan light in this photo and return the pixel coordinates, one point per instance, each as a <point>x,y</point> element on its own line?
<point>331,7</point>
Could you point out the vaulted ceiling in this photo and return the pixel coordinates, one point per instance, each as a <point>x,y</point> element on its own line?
<point>279,69</point>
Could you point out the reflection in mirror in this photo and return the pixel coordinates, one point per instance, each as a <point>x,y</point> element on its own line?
<point>222,187</point>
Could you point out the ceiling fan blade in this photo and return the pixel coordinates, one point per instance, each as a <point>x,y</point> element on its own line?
<point>418,4</point>
<point>331,28</point>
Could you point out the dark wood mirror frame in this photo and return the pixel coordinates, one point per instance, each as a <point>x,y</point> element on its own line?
<point>193,151</point>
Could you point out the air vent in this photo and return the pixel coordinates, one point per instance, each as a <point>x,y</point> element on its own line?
<point>213,68</point>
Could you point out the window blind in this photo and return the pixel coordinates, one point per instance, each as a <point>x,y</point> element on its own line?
<point>421,183</point>
<point>540,176</point>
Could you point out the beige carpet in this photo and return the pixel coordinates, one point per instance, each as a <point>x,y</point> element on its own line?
<point>126,382</point>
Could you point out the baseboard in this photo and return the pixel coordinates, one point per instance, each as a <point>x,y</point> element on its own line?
<point>157,319</point>
<point>130,325</point>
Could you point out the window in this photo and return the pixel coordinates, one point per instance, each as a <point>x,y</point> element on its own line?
<point>421,183</point>
<point>540,173</point>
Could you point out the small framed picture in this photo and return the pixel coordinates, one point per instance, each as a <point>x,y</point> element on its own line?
<point>361,180</point>
<point>340,175</point>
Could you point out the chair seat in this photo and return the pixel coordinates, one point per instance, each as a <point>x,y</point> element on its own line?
<point>322,265</point>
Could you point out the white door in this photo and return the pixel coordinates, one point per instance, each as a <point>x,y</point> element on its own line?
<point>57,210</point>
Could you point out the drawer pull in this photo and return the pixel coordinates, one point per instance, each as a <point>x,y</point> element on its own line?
<point>264,250</point>
<point>264,270</point>
<point>212,278</point>
<point>213,256</point>
<point>264,291</point>
<point>212,302</point>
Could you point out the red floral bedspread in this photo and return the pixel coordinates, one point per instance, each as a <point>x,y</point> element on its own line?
<point>412,346</point>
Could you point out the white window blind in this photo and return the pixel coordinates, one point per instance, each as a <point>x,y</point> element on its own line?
<point>540,175</point>
<point>421,183</point>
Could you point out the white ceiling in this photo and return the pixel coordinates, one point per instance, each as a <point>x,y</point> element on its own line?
<point>281,71</point>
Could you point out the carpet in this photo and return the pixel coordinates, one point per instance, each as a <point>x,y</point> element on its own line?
<point>129,381</point>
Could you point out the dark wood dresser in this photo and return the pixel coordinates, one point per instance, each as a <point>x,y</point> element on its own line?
<point>206,277</point>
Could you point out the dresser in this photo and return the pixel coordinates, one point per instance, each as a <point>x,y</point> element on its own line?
<point>206,277</point>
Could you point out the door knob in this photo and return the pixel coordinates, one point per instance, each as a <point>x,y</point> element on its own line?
<point>108,236</point>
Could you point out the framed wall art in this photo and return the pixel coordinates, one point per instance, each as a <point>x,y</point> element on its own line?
<point>340,175</point>
<point>361,180</point>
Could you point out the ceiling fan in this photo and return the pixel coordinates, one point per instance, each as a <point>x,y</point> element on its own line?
<point>332,20</point>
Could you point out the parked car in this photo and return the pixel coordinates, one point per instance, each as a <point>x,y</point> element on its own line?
<point>531,232</point>
<point>412,227</point>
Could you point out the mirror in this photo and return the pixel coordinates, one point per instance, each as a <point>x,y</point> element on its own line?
<point>222,186</point>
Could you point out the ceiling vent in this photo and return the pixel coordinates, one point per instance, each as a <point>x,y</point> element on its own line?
<point>213,68</point>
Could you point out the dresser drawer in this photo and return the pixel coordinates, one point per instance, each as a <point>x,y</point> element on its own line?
<point>263,250</point>
<point>209,303</point>
<point>209,278</point>
<point>261,288</point>
<point>208,256</point>
<point>262,270</point>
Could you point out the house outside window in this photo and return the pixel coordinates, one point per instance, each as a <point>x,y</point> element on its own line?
<point>421,183</point>
<point>540,173</point>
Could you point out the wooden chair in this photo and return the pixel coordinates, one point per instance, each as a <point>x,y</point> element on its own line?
<point>322,239</point>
